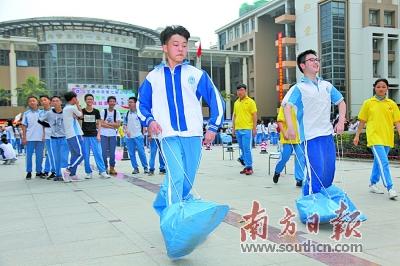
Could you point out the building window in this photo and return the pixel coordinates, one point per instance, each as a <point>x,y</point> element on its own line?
<point>374,17</point>
<point>245,27</point>
<point>222,40</point>
<point>230,35</point>
<point>375,69</point>
<point>253,24</point>
<point>388,19</point>
<point>237,31</point>
<point>390,70</point>
<point>251,45</point>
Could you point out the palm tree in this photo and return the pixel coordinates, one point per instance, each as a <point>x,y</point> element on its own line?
<point>5,97</point>
<point>32,86</point>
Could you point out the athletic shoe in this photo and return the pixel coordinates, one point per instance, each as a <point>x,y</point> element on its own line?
<point>146,171</point>
<point>53,175</point>
<point>392,194</point>
<point>241,161</point>
<point>46,174</point>
<point>89,176</point>
<point>28,176</point>
<point>375,189</point>
<point>249,171</point>
<point>40,175</point>
<point>65,175</point>
<point>299,183</point>
<point>151,172</point>
<point>135,171</point>
<point>112,171</point>
<point>243,171</point>
<point>104,175</point>
<point>163,172</point>
<point>276,177</point>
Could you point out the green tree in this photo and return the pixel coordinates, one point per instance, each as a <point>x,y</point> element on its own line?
<point>32,86</point>
<point>5,97</point>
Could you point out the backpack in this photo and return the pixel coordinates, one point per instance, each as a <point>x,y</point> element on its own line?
<point>105,115</point>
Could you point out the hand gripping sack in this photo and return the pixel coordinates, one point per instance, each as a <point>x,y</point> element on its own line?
<point>337,195</point>
<point>185,225</point>
<point>316,203</point>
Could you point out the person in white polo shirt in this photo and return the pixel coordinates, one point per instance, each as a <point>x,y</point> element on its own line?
<point>32,137</point>
<point>111,120</point>
<point>73,132</point>
<point>134,137</point>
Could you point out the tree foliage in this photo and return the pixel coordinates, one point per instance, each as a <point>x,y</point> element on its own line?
<point>32,86</point>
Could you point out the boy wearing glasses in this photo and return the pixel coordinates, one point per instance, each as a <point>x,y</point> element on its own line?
<point>312,98</point>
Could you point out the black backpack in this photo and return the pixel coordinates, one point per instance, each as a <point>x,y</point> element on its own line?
<point>105,115</point>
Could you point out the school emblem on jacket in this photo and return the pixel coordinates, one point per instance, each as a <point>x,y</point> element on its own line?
<point>191,80</point>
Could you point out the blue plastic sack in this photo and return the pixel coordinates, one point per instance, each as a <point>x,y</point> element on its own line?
<point>187,224</point>
<point>316,203</point>
<point>336,194</point>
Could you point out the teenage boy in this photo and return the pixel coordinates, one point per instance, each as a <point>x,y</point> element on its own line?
<point>91,138</point>
<point>134,137</point>
<point>244,124</point>
<point>73,132</point>
<point>111,120</point>
<point>170,103</point>
<point>49,162</point>
<point>32,137</point>
<point>312,99</point>
<point>59,147</point>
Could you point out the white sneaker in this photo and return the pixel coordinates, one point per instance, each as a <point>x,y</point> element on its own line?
<point>89,176</point>
<point>375,189</point>
<point>75,178</point>
<point>392,193</point>
<point>65,175</point>
<point>104,175</point>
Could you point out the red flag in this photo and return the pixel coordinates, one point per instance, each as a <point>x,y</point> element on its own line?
<point>198,53</point>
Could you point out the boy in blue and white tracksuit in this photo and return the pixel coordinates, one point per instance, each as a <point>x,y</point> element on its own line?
<point>169,103</point>
<point>32,137</point>
<point>49,164</point>
<point>134,137</point>
<point>59,147</point>
<point>73,133</point>
<point>312,99</point>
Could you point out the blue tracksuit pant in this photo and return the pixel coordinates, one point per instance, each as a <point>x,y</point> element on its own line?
<point>75,145</point>
<point>320,157</point>
<point>108,146</point>
<point>91,143</point>
<point>299,165</point>
<point>60,153</point>
<point>37,148</point>
<point>380,169</point>
<point>244,139</point>
<point>133,145</point>
<point>49,164</point>
<point>182,157</point>
<point>153,153</point>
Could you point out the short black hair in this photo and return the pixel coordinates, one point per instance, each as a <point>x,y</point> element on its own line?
<point>32,96</point>
<point>166,34</point>
<point>241,86</point>
<point>301,58</point>
<point>111,98</point>
<point>44,96</point>
<point>88,95</point>
<point>133,98</point>
<point>383,80</point>
<point>55,96</point>
<point>4,139</point>
<point>69,95</point>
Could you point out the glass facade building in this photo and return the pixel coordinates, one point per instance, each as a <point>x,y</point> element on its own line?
<point>333,43</point>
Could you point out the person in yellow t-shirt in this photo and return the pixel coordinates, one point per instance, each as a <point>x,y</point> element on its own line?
<point>379,114</point>
<point>244,124</point>
<point>287,149</point>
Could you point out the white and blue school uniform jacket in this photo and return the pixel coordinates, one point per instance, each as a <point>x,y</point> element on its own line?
<point>173,97</point>
<point>312,102</point>
<point>34,130</point>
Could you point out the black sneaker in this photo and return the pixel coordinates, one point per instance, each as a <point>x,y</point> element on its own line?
<point>53,175</point>
<point>146,171</point>
<point>28,176</point>
<point>41,175</point>
<point>45,174</point>
<point>163,172</point>
<point>276,177</point>
<point>151,172</point>
<point>299,183</point>
<point>241,161</point>
<point>135,171</point>
<point>243,172</point>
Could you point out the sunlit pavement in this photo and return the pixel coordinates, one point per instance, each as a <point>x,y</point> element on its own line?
<point>111,221</point>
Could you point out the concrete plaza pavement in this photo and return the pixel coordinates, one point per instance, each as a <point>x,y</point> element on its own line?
<point>111,221</point>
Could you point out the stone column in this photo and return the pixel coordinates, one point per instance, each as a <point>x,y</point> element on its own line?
<point>13,75</point>
<point>244,70</point>
<point>228,114</point>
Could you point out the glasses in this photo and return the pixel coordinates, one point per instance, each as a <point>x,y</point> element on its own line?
<point>313,60</point>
